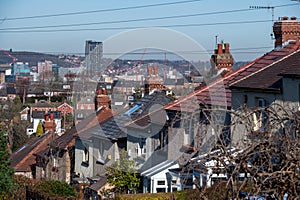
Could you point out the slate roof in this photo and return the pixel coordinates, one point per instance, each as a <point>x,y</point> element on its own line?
<point>11,90</point>
<point>68,139</point>
<point>115,127</point>
<point>42,104</point>
<point>23,158</point>
<point>270,77</point>
<point>99,184</point>
<point>174,82</point>
<point>217,92</point>
<point>151,112</point>
<point>158,168</point>
<point>40,114</point>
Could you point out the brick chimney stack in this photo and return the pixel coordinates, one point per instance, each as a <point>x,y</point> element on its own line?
<point>220,50</point>
<point>286,29</point>
<point>149,70</point>
<point>155,69</point>
<point>226,45</point>
<point>222,59</point>
<point>49,124</point>
<point>102,99</point>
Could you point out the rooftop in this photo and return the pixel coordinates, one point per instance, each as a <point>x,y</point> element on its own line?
<point>42,104</point>
<point>217,92</point>
<point>270,77</point>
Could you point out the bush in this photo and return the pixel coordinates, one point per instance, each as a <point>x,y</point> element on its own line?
<point>55,188</point>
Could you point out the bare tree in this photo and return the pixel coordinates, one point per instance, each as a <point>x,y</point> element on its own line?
<point>264,161</point>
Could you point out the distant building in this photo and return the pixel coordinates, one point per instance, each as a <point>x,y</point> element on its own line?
<point>44,67</point>
<point>93,55</point>
<point>55,69</point>
<point>222,60</point>
<point>84,108</point>
<point>153,80</point>
<point>51,120</point>
<point>20,69</point>
<point>42,105</point>
<point>2,77</point>
<point>65,109</point>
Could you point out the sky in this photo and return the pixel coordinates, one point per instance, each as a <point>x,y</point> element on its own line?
<point>48,24</point>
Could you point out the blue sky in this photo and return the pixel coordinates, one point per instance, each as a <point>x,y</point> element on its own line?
<point>244,38</point>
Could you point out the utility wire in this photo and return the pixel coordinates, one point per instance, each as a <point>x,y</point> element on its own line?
<point>139,19</point>
<point>136,27</point>
<point>101,10</point>
<point>235,50</point>
<point>131,20</point>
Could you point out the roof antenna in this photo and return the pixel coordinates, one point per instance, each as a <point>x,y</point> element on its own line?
<point>265,7</point>
<point>268,8</point>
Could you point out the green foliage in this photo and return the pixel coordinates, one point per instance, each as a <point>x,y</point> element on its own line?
<point>19,134</point>
<point>39,129</point>
<point>6,173</point>
<point>18,103</point>
<point>180,195</point>
<point>122,174</point>
<point>55,188</point>
<point>20,184</point>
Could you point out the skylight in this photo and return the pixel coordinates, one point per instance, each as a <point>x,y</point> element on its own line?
<point>131,110</point>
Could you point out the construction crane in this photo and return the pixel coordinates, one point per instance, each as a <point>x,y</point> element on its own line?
<point>140,63</point>
<point>14,59</point>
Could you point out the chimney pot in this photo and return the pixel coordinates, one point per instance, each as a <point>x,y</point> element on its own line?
<point>155,70</point>
<point>51,116</point>
<point>46,117</point>
<point>149,70</point>
<point>220,50</point>
<point>294,18</point>
<point>226,48</point>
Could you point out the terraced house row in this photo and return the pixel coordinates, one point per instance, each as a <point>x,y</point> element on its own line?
<point>162,134</point>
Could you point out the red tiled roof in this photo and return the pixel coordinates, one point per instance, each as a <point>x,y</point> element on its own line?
<point>24,157</point>
<point>217,93</point>
<point>268,78</point>
<point>102,116</point>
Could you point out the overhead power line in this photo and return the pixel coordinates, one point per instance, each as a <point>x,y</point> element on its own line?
<point>137,20</point>
<point>233,50</point>
<point>101,10</point>
<point>136,27</point>
<point>131,20</point>
<point>114,9</point>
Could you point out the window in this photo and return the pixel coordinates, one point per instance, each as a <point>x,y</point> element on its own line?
<point>161,189</point>
<point>100,150</point>
<point>85,154</point>
<point>160,182</point>
<point>260,116</point>
<point>55,162</point>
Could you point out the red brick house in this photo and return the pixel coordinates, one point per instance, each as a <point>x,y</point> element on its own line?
<point>65,109</point>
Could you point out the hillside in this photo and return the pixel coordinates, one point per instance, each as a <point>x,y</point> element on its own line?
<point>33,57</point>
